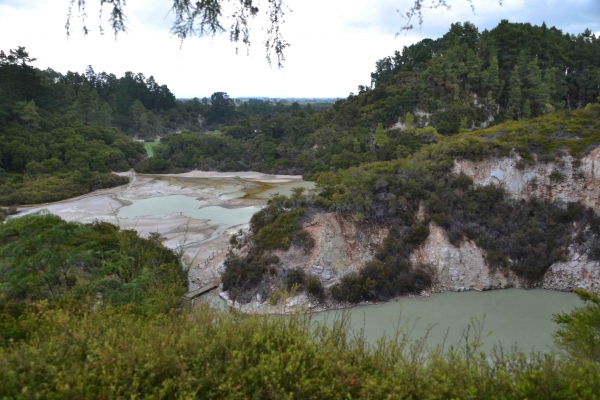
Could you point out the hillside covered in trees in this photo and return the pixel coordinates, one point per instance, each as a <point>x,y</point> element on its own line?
<point>62,135</point>
<point>463,81</point>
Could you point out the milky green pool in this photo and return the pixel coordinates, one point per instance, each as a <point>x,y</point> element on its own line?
<point>515,316</point>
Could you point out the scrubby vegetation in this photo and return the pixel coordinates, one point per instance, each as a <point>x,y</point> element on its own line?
<point>43,257</point>
<point>115,353</point>
<point>390,274</point>
<point>578,335</point>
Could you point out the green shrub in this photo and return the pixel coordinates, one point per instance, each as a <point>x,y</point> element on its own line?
<point>296,277</point>
<point>314,287</point>
<point>43,257</point>
<point>578,334</point>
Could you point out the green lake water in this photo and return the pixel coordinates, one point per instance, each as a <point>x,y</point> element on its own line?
<point>514,316</point>
<point>190,207</point>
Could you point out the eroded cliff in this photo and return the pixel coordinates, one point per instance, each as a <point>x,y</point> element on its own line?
<point>566,179</point>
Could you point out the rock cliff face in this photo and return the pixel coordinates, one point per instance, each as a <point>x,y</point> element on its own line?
<point>459,268</point>
<point>566,180</point>
<point>344,246</point>
<point>341,246</point>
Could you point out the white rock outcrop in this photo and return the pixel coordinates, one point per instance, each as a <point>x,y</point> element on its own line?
<point>459,268</point>
<point>567,179</point>
<point>564,180</point>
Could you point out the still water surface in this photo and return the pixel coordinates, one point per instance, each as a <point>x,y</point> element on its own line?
<point>515,316</point>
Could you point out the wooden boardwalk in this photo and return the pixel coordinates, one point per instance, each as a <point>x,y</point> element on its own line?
<point>199,292</point>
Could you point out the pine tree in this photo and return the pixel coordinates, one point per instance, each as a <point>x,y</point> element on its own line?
<point>491,77</point>
<point>409,122</point>
<point>515,98</point>
<point>527,109</point>
<point>381,138</point>
<point>538,90</point>
<point>356,145</point>
<point>87,104</point>
<point>27,113</point>
<point>104,115</point>
<point>139,117</point>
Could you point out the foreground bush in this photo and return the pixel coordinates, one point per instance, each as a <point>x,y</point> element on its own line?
<point>43,257</point>
<point>115,353</point>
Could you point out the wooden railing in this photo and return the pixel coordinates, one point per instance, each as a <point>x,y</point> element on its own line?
<point>213,254</point>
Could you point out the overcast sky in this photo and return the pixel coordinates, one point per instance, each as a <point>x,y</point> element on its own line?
<point>334,43</point>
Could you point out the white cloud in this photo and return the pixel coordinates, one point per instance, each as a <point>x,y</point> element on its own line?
<point>334,44</point>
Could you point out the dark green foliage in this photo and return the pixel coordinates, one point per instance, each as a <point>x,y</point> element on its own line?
<point>242,274</point>
<point>417,234</point>
<point>314,287</point>
<point>53,163</point>
<point>180,152</point>
<point>578,334</point>
<point>222,108</point>
<point>18,189</point>
<point>295,278</point>
<point>45,258</point>
<point>56,134</point>
<point>133,103</point>
<point>279,234</point>
<point>501,72</point>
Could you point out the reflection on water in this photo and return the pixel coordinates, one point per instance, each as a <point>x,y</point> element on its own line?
<point>160,205</point>
<point>515,316</point>
<point>224,217</point>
